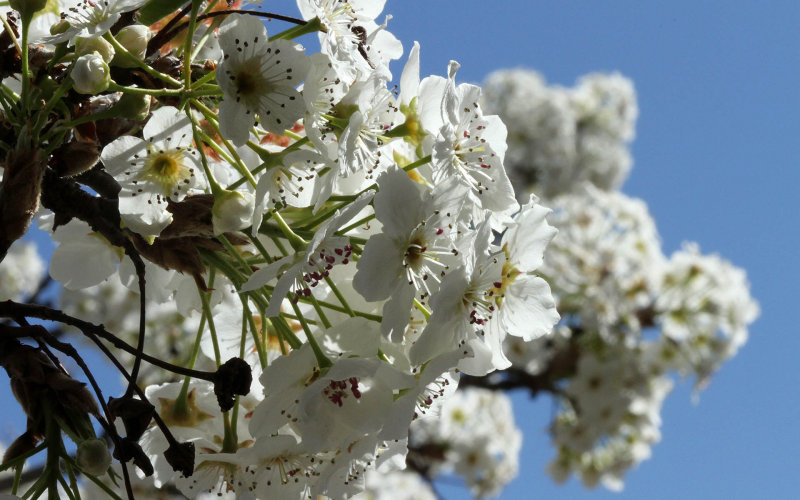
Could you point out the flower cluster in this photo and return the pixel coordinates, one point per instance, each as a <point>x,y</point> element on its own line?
<point>630,315</point>
<point>20,271</point>
<point>560,137</point>
<point>477,438</point>
<point>293,262</point>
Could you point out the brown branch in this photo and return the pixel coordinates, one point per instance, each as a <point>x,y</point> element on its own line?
<point>11,309</point>
<point>168,32</point>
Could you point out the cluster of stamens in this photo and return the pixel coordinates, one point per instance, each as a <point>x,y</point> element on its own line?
<point>337,390</point>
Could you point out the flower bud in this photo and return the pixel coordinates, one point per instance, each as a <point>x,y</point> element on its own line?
<point>90,74</point>
<point>233,210</point>
<point>93,456</point>
<point>60,27</point>
<point>85,46</point>
<point>27,7</point>
<point>133,107</point>
<point>134,38</point>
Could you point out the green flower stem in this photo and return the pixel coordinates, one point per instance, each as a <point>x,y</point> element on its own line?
<point>52,493</point>
<point>119,49</point>
<point>183,395</point>
<point>340,123</point>
<point>52,102</point>
<point>233,251</point>
<point>10,32</point>
<point>320,312</point>
<point>421,308</point>
<point>203,39</point>
<point>26,24</point>
<point>211,327</point>
<point>235,161</point>
<point>11,96</point>
<point>339,296</point>
<point>73,483</point>
<point>291,135</point>
<point>292,316</point>
<point>356,224</point>
<point>314,221</point>
<point>417,164</point>
<point>296,241</point>
<point>213,145</point>
<point>206,78</point>
<point>187,44</point>
<point>270,159</point>
<point>342,197</point>
<point>311,26</point>
<point>257,335</point>
<point>239,164</point>
<point>103,487</point>
<point>214,260</point>
<point>17,480</point>
<point>285,332</point>
<point>196,347</point>
<point>53,437</point>
<point>341,309</point>
<point>322,360</point>
<point>260,246</point>
<point>208,114</point>
<point>114,87</point>
<point>216,189</point>
<point>229,438</point>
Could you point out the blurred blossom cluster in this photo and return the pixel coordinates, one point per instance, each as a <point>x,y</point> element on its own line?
<point>317,278</point>
<point>21,271</point>
<point>630,315</point>
<point>560,137</point>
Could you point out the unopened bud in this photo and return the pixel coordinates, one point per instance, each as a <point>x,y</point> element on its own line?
<point>27,7</point>
<point>134,38</point>
<point>233,210</point>
<point>85,46</point>
<point>90,74</point>
<point>133,107</point>
<point>93,456</point>
<point>60,27</point>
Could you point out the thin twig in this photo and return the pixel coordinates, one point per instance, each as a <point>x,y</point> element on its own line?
<point>11,309</point>
<point>168,33</point>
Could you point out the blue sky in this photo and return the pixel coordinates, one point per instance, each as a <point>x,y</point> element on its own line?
<point>716,158</point>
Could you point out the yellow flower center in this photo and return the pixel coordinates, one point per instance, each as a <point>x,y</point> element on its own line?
<point>166,168</point>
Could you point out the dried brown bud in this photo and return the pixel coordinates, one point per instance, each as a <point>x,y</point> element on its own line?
<point>135,414</point>
<point>232,378</point>
<point>75,157</point>
<point>190,217</point>
<point>19,194</point>
<point>128,449</point>
<point>23,444</point>
<point>168,64</point>
<point>181,457</point>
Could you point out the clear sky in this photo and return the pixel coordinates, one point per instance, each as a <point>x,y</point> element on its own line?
<point>716,158</point>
